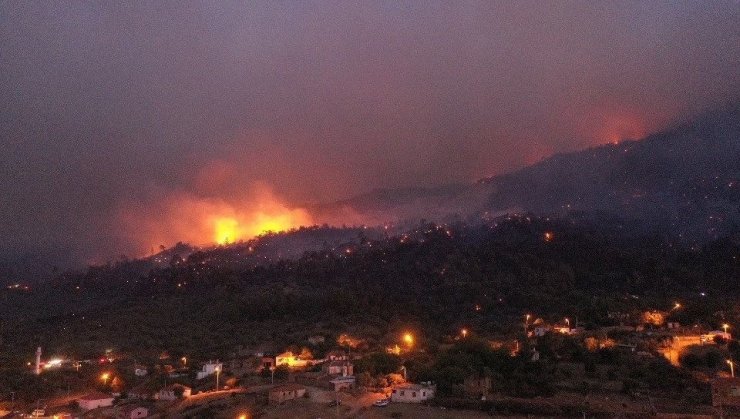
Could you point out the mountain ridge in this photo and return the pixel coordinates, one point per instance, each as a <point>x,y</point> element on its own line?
<point>684,180</point>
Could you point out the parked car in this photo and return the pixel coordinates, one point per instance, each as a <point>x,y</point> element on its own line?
<point>382,402</point>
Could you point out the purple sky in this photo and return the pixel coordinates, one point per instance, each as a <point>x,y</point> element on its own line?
<point>116,107</point>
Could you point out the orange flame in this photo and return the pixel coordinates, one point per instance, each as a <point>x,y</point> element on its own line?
<point>226,229</point>
<point>198,220</point>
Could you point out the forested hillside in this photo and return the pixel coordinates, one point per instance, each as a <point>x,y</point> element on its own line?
<point>434,278</point>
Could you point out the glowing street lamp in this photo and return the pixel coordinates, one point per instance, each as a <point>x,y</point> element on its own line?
<point>725,327</point>
<point>409,339</point>
<point>184,361</point>
<point>732,367</point>
<point>676,306</point>
<point>105,376</point>
<point>464,333</point>
<point>218,371</point>
<point>567,321</point>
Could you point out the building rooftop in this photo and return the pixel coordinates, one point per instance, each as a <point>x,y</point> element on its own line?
<point>349,378</point>
<point>411,386</point>
<point>96,395</point>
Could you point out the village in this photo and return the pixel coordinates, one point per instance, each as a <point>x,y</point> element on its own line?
<point>341,376</point>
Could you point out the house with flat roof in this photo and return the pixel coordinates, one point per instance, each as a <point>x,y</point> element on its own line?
<point>413,393</point>
<point>95,400</point>
<point>285,392</point>
<point>209,368</point>
<point>174,392</point>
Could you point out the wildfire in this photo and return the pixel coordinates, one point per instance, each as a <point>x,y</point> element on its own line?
<point>276,222</point>
<point>229,230</point>
<point>226,230</point>
<point>192,219</point>
<point>621,126</point>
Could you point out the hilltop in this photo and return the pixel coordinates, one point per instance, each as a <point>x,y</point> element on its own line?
<point>683,182</point>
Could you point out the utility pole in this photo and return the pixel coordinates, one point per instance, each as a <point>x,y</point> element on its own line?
<point>337,402</point>
<point>38,361</point>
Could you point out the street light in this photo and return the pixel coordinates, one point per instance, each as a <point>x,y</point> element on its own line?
<point>725,327</point>
<point>272,374</point>
<point>105,376</point>
<point>409,339</point>
<point>184,361</point>
<point>464,333</point>
<point>218,371</point>
<point>732,367</point>
<point>676,306</point>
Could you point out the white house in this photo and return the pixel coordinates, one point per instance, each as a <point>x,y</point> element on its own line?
<point>140,371</point>
<point>337,356</point>
<point>413,393</point>
<point>209,368</point>
<point>169,393</point>
<point>141,392</point>
<point>285,392</point>
<point>710,336</point>
<point>95,400</point>
<point>338,368</point>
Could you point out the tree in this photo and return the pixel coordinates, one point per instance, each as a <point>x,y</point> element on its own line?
<point>282,372</point>
<point>378,363</point>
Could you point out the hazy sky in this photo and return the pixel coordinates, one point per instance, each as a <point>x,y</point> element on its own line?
<point>116,115</point>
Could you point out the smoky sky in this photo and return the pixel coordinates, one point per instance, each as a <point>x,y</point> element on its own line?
<point>107,106</point>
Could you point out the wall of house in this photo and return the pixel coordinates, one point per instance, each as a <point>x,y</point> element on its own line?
<point>94,404</point>
<point>411,395</point>
<point>281,396</point>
